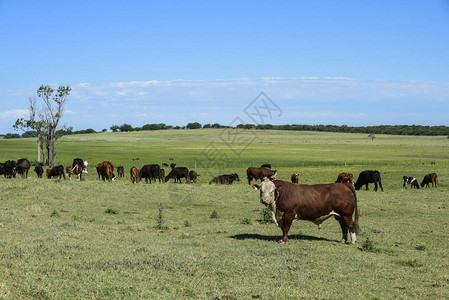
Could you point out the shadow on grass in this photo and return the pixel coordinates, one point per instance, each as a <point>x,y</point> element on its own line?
<point>253,236</point>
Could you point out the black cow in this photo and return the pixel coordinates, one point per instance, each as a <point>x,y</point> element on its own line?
<point>39,171</point>
<point>150,173</point>
<point>366,177</point>
<point>10,167</point>
<point>23,165</point>
<point>177,173</point>
<point>411,180</point>
<point>77,168</point>
<point>2,169</point>
<point>266,166</point>
<point>225,179</point>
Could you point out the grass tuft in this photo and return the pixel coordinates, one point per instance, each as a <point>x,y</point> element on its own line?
<point>111,211</point>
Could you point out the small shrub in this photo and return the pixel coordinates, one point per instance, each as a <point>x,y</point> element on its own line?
<point>160,219</point>
<point>368,246</point>
<point>111,211</point>
<point>414,263</point>
<point>214,215</point>
<point>187,224</point>
<point>247,221</point>
<point>266,216</point>
<point>420,248</point>
<point>54,213</point>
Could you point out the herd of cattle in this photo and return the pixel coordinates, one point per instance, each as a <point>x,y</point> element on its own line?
<point>286,200</point>
<point>153,172</point>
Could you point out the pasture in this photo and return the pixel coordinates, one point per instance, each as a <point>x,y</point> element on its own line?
<point>90,239</point>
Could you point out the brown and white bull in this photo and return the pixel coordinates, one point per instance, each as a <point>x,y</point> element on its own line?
<point>315,203</point>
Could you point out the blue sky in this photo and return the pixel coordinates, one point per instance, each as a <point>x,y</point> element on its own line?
<point>174,62</point>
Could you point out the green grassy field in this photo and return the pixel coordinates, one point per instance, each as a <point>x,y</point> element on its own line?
<point>90,239</point>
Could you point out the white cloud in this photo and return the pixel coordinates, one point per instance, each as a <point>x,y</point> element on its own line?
<point>304,100</point>
<point>14,113</point>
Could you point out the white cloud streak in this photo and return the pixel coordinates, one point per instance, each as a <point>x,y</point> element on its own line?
<point>305,100</point>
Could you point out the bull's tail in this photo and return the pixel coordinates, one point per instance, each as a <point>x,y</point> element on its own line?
<point>356,217</point>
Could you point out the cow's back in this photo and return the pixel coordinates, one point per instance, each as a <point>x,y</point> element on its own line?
<point>310,202</point>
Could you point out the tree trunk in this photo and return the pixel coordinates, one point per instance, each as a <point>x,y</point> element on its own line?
<point>38,148</point>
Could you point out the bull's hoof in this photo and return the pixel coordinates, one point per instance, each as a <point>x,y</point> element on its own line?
<point>343,241</point>
<point>282,242</point>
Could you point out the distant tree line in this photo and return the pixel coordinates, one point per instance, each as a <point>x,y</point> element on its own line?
<point>378,129</point>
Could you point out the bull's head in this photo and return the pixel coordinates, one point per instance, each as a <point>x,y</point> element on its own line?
<point>267,190</point>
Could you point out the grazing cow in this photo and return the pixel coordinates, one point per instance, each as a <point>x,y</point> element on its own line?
<point>121,171</point>
<point>150,173</point>
<point>366,177</point>
<point>39,171</point>
<point>316,203</point>
<point>193,175</point>
<point>162,175</point>
<point>105,169</point>
<point>430,178</point>
<point>260,173</point>
<point>134,172</point>
<point>347,178</point>
<point>23,165</point>
<point>225,179</point>
<point>2,169</point>
<point>177,173</point>
<point>10,167</point>
<point>56,171</point>
<point>69,172</point>
<point>411,180</point>
<point>266,166</point>
<point>295,178</point>
<point>77,168</point>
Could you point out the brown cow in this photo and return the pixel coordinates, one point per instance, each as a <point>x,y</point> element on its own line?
<point>56,171</point>
<point>193,175</point>
<point>295,178</point>
<point>430,178</point>
<point>23,165</point>
<point>105,169</point>
<point>260,173</point>
<point>315,203</point>
<point>120,171</point>
<point>134,174</point>
<point>69,171</point>
<point>347,178</point>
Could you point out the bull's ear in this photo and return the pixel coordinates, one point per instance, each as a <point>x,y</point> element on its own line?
<point>256,187</point>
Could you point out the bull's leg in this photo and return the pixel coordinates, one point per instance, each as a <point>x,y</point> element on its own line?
<point>349,225</point>
<point>366,187</point>
<point>375,186</point>
<point>344,230</point>
<point>380,184</point>
<point>286,224</point>
<point>249,179</point>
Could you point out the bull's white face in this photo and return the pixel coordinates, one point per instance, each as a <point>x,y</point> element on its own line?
<point>267,192</point>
